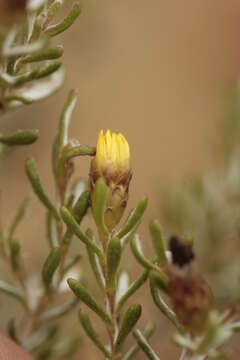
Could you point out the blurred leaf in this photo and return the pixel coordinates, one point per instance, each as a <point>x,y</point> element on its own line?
<point>20,214</point>
<point>88,328</point>
<point>48,54</point>
<point>33,176</point>
<point>13,291</point>
<point>50,266</point>
<point>58,312</point>
<point>66,23</point>
<point>21,137</point>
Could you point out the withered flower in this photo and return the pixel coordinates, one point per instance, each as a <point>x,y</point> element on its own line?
<point>190,293</point>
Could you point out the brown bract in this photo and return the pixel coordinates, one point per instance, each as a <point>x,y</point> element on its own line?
<point>118,188</point>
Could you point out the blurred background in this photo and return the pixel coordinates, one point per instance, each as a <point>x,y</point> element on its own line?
<point>158,72</point>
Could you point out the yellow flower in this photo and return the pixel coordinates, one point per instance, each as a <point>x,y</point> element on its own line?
<point>112,152</point>
<point>112,163</point>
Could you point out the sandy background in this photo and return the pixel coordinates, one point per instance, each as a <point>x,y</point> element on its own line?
<point>156,71</point>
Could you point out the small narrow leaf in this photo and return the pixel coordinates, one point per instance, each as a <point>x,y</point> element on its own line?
<point>80,291</point>
<point>21,137</point>
<point>136,248</point>
<point>21,212</point>
<point>15,251</point>
<point>52,230</point>
<point>65,119</point>
<point>148,332</point>
<point>164,308</point>
<point>99,202</point>
<point>48,54</point>
<point>66,23</point>
<point>88,328</point>
<point>33,176</point>
<point>113,259</point>
<point>53,9</point>
<point>75,228</point>
<point>158,242</point>
<point>129,321</point>
<point>144,345</point>
<point>76,150</point>
<point>131,290</point>
<point>39,73</point>
<point>12,291</point>
<point>95,264</point>
<point>134,218</point>
<point>50,266</point>
<point>81,206</point>
<point>160,280</point>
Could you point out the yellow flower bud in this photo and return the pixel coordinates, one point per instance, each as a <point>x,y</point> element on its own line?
<point>112,163</point>
<point>112,153</point>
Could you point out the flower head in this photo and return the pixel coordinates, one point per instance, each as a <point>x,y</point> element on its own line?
<point>112,163</point>
<point>112,152</point>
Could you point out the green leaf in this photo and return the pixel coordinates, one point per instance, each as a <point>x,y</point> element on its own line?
<point>52,234</point>
<point>34,179</point>
<point>21,212</point>
<point>79,211</point>
<point>148,332</point>
<point>129,321</point>
<point>15,251</point>
<point>50,266</point>
<point>164,308</point>
<point>144,345</point>
<point>14,292</point>
<point>76,150</point>
<point>81,206</point>
<point>131,290</point>
<point>138,253</point>
<point>158,243</point>
<point>160,280</point>
<point>8,50</point>
<point>21,137</point>
<point>65,119</point>
<point>75,228</point>
<point>53,9</point>
<point>113,259</point>
<point>99,202</point>
<point>80,291</point>
<point>134,218</point>
<point>19,80</point>
<point>48,54</point>
<point>88,328</point>
<point>95,264</point>
<point>66,23</point>
<point>22,100</point>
